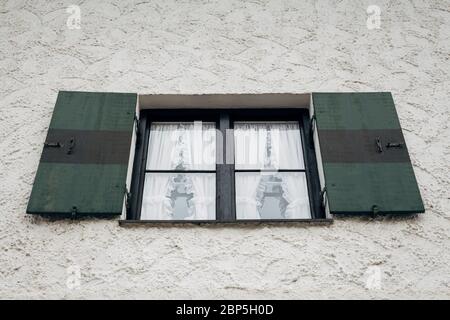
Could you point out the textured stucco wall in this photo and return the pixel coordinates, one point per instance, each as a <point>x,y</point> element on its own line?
<point>224,46</point>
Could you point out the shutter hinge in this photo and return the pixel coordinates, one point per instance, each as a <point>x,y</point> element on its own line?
<point>74,212</point>
<point>312,127</point>
<point>136,119</point>
<point>127,200</point>
<point>375,210</point>
<point>137,128</point>
<point>324,197</point>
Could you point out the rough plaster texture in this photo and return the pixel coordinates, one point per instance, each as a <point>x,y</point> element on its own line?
<point>224,47</point>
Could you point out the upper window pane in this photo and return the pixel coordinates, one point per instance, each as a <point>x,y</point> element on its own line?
<point>268,145</point>
<point>182,146</point>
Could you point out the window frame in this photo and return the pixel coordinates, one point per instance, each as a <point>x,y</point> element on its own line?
<point>225,172</point>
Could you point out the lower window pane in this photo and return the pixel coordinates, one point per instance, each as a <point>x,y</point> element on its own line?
<point>179,196</point>
<point>280,195</point>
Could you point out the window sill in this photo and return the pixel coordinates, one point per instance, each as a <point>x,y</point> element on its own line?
<point>176,223</point>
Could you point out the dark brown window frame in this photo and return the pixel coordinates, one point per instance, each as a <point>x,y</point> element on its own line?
<point>225,186</point>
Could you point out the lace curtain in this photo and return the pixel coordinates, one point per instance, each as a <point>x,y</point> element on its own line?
<point>180,146</point>
<point>203,203</point>
<point>295,191</point>
<point>158,200</point>
<point>271,146</point>
<point>191,146</point>
<point>248,203</point>
<point>250,189</point>
<point>268,145</point>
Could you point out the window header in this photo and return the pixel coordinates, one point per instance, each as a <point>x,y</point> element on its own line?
<point>224,101</point>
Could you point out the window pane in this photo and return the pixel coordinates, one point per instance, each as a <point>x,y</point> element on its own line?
<point>281,195</point>
<point>182,146</point>
<point>264,145</point>
<point>179,196</point>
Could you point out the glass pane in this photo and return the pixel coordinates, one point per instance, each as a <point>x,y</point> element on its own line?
<point>182,146</point>
<point>179,196</point>
<point>281,195</point>
<point>268,145</point>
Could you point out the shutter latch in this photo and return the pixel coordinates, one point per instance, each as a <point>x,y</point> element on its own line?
<point>379,145</point>
<point>388,145</point>
<point>395,145</point>
<point>61,145</point>
<point>52,145</point>
<point>71,146</point>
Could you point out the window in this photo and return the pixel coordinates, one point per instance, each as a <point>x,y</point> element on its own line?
<point>185,167</point>
<point>225,165</point>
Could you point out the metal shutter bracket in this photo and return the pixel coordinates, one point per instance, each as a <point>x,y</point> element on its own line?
<point>312,127</point>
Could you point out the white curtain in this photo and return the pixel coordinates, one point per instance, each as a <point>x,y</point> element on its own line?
<point>247,205</point>
<point>269,145</point>
<point>274,145</point>
<point>190,144</point>
<point>295,191</point>
<point>204,201</point>
<point>156,202</point>
<point>203,146</point>
<point>250,145</point>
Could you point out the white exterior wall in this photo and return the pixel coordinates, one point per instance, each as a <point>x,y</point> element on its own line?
<point>222,46</point>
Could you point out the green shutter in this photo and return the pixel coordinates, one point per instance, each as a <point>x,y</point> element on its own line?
<point>84,163</point>
<point>365,162</point>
